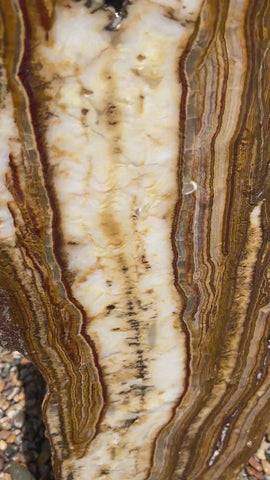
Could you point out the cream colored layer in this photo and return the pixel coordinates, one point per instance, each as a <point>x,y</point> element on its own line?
<point>9,144</point>
<point>113,140</point>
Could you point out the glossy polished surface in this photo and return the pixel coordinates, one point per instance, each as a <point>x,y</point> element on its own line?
<point>134,229</point>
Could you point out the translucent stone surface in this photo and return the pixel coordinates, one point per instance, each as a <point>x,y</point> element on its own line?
<point>134,220</point>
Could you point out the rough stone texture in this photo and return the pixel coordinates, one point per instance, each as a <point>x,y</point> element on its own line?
<point>134,230</point>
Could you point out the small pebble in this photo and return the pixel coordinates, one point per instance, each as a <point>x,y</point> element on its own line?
<point>4,404</point>
<point>4,434</point>
<point>11,450</point>
<point>18,440</point>
<point>11,438</point>
<point>11,412</point>
<point>5,423</point>
<point>3,445</point>
<point>266,467</point>
<point>18,457</point>
<point>19,472</point>
<point>254,473</point>
<point>18,397</point>
<point>17,355</point>
<point>19,419</point>
<point>255,464</point>
<point>25,361</point>
<point>13,393</point>
<point>1,464</point>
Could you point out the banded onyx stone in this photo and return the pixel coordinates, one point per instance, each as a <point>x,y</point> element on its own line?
<point>134,229</point>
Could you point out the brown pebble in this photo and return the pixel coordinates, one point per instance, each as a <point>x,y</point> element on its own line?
<point>266,467</point>
<point>3,445</point>
<point>20,396</point>
<point>19,458</point>
<point>24,361</point>
<point>252,471</point>
<point>11,438</point>
<point>2,386</point>
<point>7,387</point>
<point>255,464</point>
<point>4,404</point>
<point>5,423</point>
<point>13,392</point>
<point>11,412</point>
<point>4,434</point>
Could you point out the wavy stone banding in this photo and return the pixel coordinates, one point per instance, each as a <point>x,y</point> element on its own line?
<point>134,229</point>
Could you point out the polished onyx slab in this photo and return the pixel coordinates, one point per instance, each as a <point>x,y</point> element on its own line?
<point>134,229</point>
